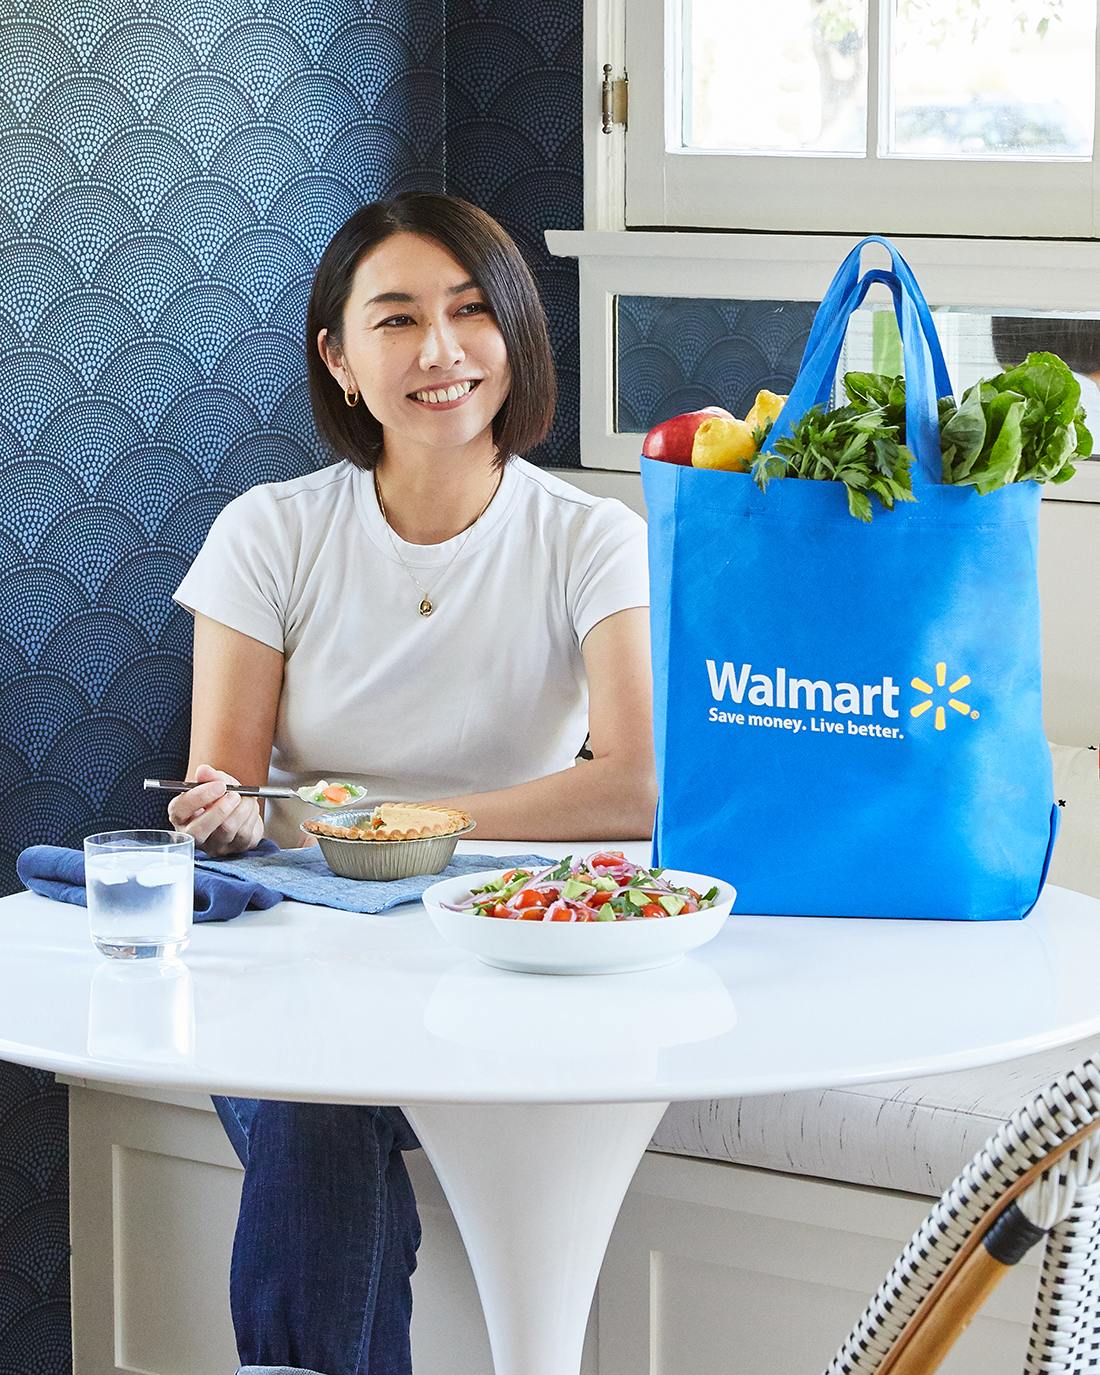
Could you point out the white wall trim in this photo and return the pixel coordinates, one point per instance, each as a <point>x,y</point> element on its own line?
<point>604,154</point>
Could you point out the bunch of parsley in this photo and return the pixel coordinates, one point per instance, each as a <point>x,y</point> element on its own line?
<point>861,445</point>
<point>1026,425</point>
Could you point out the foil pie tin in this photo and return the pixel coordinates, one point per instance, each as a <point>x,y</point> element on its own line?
<point>382,861</point>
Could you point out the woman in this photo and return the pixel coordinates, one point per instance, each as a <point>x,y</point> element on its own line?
<point>437,620</point>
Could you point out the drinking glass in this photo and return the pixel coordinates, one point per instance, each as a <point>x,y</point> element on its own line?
<point>140,892</point>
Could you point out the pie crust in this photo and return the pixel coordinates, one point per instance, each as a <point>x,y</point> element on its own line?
<point>397,821</point>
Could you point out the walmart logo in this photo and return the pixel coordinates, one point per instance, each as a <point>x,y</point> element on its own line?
<point>963,708</point>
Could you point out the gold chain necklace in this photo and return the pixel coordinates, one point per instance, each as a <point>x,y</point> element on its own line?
<point>426,606</point>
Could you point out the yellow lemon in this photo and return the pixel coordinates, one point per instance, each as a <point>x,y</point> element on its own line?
<point>726,444</point>
<point>765,408</point>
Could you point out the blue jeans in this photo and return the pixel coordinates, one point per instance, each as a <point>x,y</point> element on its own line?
<point>326,1239</point>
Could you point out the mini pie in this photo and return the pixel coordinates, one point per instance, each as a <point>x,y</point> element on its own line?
<point>397,821</point>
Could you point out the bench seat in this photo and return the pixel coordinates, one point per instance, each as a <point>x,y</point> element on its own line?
<point>913,1135</point>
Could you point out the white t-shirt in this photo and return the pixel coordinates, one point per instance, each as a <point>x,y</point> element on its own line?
<point>487,692</point>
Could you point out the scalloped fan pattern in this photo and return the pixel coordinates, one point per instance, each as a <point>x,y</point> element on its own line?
<point>170,179</point>
<point>680,354</point>
<point>169,173</point>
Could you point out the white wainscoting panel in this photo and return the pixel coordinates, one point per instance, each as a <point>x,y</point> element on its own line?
<point>155,1188</point>
<point>718,1269</point>
<point>154,1194</point>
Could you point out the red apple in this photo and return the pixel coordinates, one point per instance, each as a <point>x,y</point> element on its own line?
<point>671,441</point>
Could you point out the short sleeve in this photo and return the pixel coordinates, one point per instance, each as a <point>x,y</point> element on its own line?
<point>609,569</point>
<point>241,576</point>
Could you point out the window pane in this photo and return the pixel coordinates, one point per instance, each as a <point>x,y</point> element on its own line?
<point>679,354</point>
<point>786,77</point>
<point>981,343</point>
<point>1003,78</point>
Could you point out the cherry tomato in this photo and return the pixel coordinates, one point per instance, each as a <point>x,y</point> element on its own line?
<point>531,897</point>
<point>530,914</point>
<point>564,915</point>
<point>499,910</point>
<point>598,899</point>
<point>607,859</point>
<point>653,909</point>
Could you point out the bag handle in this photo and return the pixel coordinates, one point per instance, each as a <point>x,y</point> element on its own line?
<point>925,371</point>
<point>847,276</point>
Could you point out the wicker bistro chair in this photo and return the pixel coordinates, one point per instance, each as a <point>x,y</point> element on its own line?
<point>1037,1177</point>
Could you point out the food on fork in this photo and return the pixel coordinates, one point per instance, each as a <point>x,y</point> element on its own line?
<point>325,794</point>
<point>396,821</point>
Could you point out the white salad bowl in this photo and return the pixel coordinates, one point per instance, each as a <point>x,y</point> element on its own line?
<point>563,947</point>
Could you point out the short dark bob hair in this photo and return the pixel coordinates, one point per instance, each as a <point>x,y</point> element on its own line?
<point>493,262</point>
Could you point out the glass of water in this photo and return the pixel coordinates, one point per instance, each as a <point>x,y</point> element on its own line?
<point>140,892</point>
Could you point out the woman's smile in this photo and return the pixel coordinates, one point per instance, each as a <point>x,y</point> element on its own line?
<point>446,396</point>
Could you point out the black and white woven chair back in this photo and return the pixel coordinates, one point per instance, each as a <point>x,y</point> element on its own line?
<point>1037,1177</point>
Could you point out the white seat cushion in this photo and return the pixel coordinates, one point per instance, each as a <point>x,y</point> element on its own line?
<point>913,1135</point>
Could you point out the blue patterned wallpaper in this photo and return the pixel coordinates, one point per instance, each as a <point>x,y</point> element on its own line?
<point>514,147</point>
<point>168,178</point>
<point>679,354</point>
<point>34,1224</point>
<point>169,173</point>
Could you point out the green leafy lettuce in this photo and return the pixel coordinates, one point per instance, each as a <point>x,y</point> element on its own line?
<point>1026,425</point>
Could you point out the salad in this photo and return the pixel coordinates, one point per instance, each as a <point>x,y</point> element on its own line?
<point>603,887</point>
<point>324,794</point>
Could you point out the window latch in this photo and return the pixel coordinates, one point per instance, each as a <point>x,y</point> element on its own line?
<point>612,99</point>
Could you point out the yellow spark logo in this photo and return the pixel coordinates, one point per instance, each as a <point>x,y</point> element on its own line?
<point>963,708</point>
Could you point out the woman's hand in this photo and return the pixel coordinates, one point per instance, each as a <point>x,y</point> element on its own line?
<point>222,823</point>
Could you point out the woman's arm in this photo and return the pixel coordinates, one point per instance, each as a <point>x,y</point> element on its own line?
<point>234,703</point>
<point>612,796</point>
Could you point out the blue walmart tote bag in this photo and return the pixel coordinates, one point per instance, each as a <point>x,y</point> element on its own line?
<point>848,716</point>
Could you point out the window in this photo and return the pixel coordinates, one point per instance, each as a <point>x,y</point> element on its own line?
<point>984,190</point>
<point>960,117</point>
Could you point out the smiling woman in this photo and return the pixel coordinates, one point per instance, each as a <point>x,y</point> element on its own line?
<point>434,620</point>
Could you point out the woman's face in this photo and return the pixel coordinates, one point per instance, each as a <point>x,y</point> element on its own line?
<point>421,346</point>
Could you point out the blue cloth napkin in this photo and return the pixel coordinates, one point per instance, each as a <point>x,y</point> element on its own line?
<point>57,873</point>
<point>304,876</point>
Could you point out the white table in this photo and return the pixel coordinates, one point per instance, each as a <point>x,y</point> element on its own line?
<point>535,1097</point>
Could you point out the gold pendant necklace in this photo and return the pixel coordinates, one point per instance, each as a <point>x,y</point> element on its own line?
<point>426,605</point>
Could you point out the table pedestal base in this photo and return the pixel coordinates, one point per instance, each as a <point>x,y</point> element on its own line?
<point>535,1190</point>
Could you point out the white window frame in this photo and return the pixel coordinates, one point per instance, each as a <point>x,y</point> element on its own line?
<point>999,273</point>
<point>822,193</point>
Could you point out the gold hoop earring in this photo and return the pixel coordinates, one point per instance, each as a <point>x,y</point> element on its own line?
<point>351,398</point>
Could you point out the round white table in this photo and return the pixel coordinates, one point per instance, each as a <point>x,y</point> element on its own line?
<point>533,1096</point>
